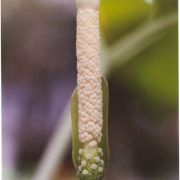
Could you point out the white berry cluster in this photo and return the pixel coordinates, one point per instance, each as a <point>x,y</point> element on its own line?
<point>90,163</point>
<point>89,77</point>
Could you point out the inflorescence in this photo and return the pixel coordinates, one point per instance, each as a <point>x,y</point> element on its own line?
<point>89,92</point>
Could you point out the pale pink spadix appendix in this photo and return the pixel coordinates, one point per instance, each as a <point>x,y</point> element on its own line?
<point>89,77</point>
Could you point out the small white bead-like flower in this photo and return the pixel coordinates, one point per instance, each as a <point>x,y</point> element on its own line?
<point>97,158</point>
<point>100,169</point>
<point>85,172</point>
<point>94,166</point>
<point>83,163</point>
<point>93,144</point>
<point>88,156</point>
<point>102,162</point>
<point>81,151</point>
<point>100,150</point>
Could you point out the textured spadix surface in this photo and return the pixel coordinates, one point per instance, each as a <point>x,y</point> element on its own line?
<point>89,76</point>
<point>88,4</point>
<point>90,169</point>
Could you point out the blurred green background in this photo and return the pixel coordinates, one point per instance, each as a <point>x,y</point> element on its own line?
<point>140,60</point>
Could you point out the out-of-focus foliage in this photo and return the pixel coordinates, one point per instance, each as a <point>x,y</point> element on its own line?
<point>166,6</point>
<point>120,17</point>
<point>154,71</point>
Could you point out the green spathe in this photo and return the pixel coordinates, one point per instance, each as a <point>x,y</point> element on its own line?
<point>76,145</point>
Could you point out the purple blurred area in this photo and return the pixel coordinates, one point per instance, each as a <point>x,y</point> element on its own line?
<point>38,74</point>
<point>143,145</point>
